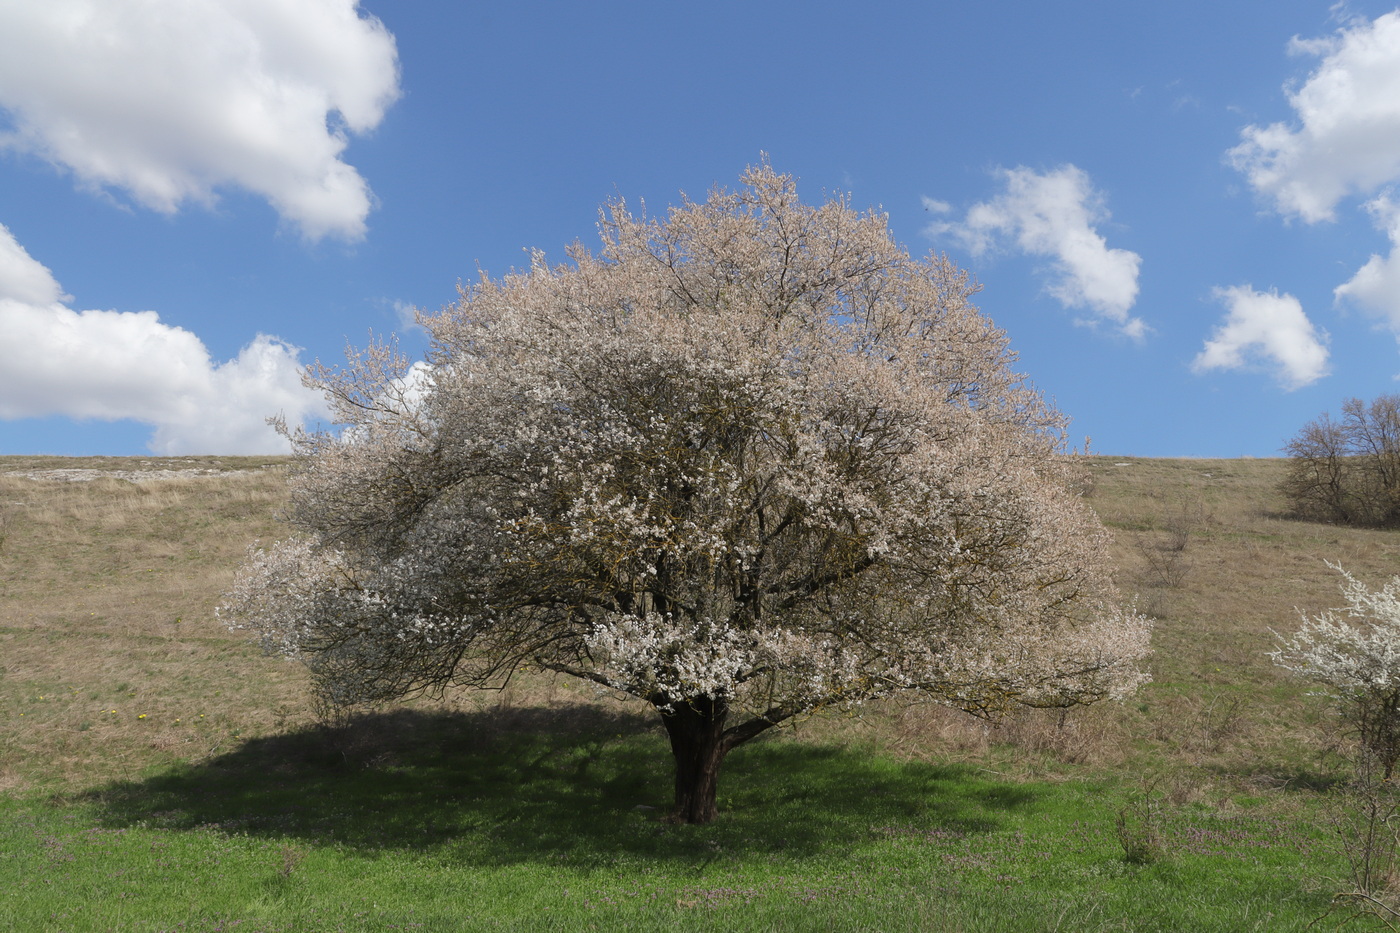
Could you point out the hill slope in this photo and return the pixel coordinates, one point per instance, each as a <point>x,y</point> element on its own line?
<point>113,663</point>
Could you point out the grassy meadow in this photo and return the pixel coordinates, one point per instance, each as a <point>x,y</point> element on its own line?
<point>157,773</point>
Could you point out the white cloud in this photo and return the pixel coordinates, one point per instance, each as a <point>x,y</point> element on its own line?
<point>1267,326</point>
<point>1376,285</point>
<point>22,279</point>
<point>1054,215</point>
<point>408,393</point>
<point>407,316</point>
<point>1347,137</point>
<point>170,100</point>
<point>117,365</point>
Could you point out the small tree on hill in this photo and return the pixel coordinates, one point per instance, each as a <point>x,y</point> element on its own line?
<point>1348,470</point>
<point>1354,653</point>
<point>748,461</point>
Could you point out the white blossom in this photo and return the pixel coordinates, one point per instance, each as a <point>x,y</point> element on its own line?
<point>750,457</point>
<point>1354,653</point>
<point>1352,648</point>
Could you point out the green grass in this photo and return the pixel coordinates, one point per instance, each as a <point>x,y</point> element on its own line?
<point>548,819</point>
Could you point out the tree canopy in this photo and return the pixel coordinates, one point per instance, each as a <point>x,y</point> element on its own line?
<point>1347,470</point>
<point>746,461</point>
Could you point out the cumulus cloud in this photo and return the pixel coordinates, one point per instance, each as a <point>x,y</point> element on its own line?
<point>1053,215</point>
<point>1269,328</point>
<point>1346,139</point>
<point>118,365</point>
<point>170,100</point>
<point>1376,285</point>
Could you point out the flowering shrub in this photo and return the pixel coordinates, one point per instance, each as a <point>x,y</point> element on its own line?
<point>1354,652</point>
<point>748,460</point>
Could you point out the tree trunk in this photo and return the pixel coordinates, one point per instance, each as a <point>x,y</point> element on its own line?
<point>698,743</point>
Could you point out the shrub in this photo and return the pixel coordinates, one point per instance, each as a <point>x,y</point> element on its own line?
<point>1354,653</point>
<point>1348,471</point>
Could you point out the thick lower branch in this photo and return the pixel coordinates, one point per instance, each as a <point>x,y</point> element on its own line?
<point>579,672</point>
<point>738,735</point>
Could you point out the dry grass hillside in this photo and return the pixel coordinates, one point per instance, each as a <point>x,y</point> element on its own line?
<point>1209,550</point>
<point>107,591</point>
<point>112,664</point>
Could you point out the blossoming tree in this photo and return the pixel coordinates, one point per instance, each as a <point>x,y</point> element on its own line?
<point>1354,652</point>
<point>747,461</point>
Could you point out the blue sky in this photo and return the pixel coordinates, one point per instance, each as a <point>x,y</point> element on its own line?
<point>1186,216</point>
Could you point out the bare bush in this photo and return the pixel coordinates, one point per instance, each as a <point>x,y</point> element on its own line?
<point>1140,828</point>
<point>1366,820</point>
<point>1164,556</point>
<point>1163,548</point>
<point>1348,471</point>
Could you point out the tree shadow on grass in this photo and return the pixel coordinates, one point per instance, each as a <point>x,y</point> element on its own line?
<point>573,784</point>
